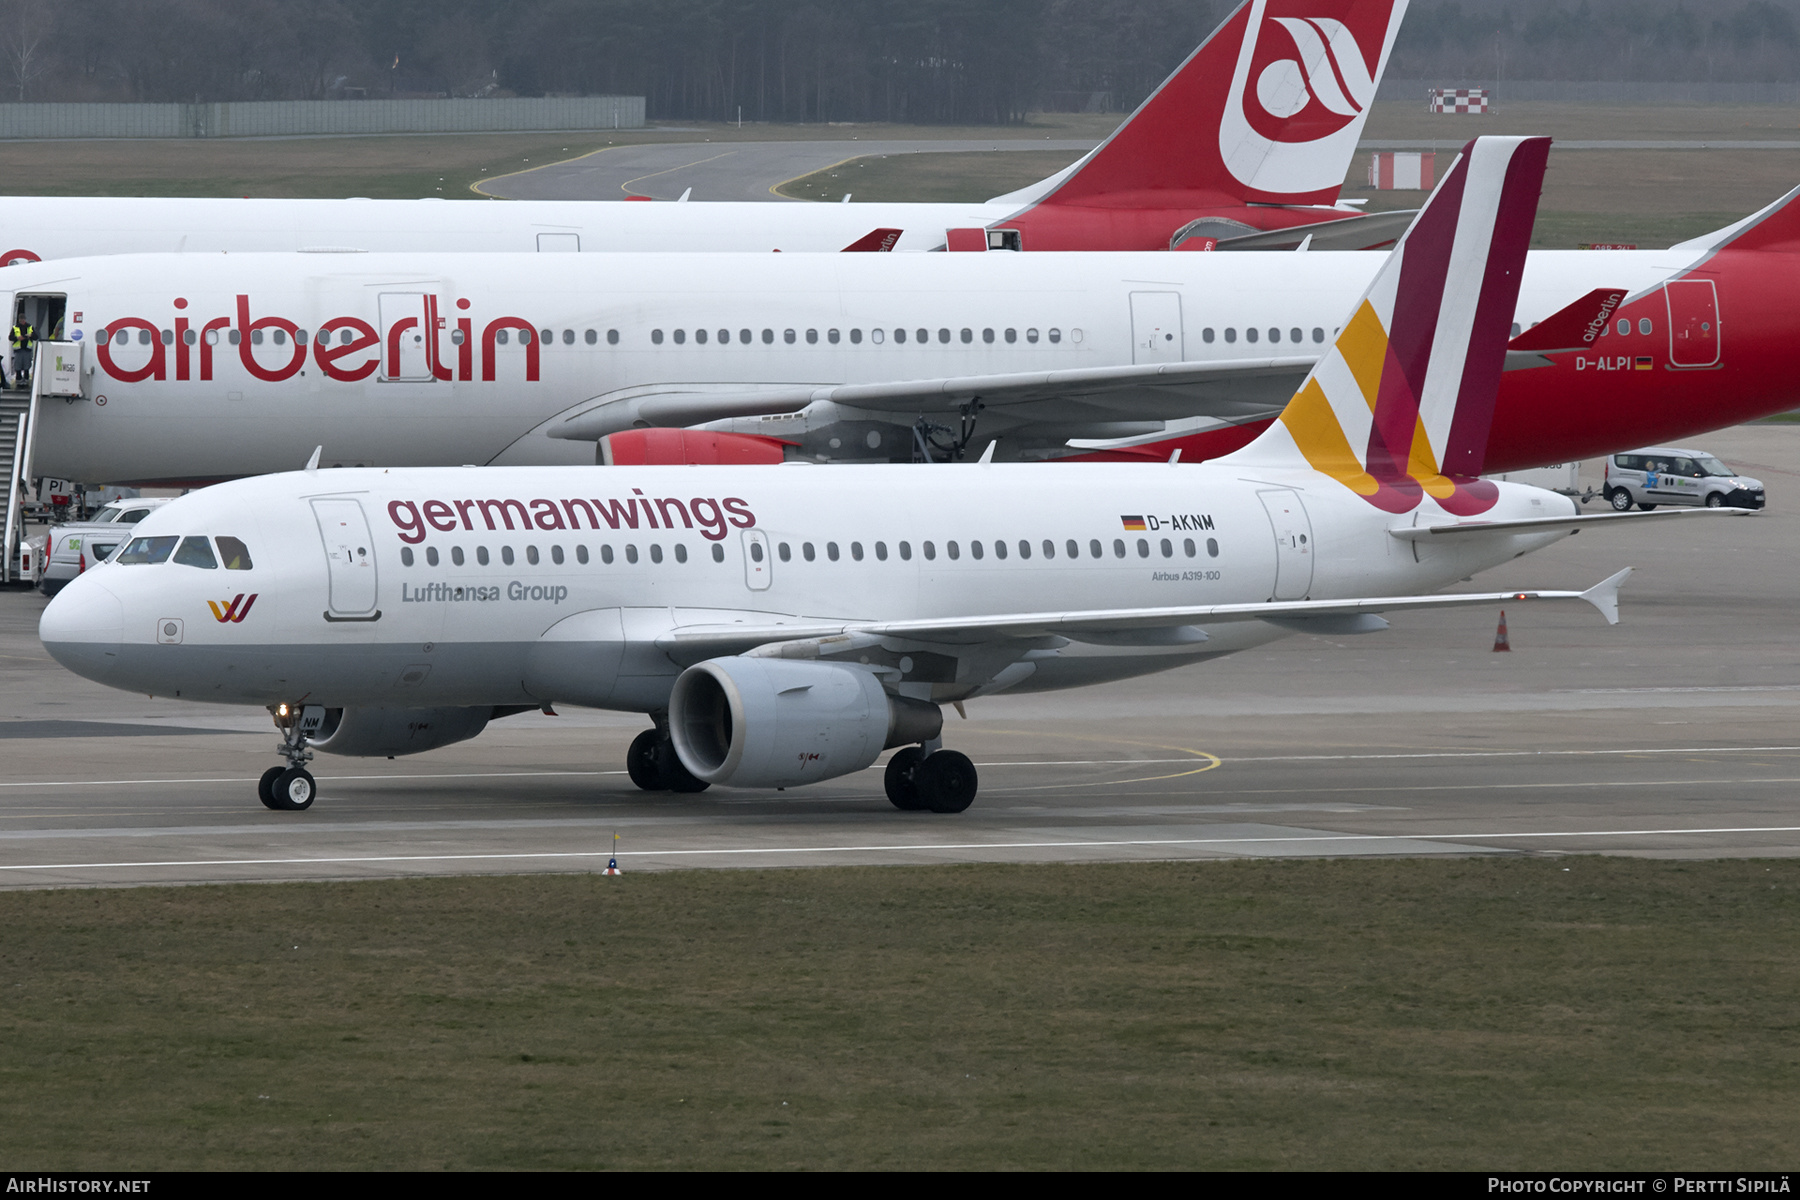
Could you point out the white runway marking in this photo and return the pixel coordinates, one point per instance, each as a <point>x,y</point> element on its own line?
<point>1046,762</point>
<point>922,847</point>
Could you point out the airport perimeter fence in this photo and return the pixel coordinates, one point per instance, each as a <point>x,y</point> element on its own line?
<point>301,118</point>
<point>1560,91</point>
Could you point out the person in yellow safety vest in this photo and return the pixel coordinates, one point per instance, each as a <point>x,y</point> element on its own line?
<point>24,337</point>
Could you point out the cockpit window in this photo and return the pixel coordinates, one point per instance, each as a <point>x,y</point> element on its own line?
<point>235,554</point>
<point>196,552</point>
<point>147,550</point>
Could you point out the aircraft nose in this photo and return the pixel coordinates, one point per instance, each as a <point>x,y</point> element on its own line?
<point>83,628</point>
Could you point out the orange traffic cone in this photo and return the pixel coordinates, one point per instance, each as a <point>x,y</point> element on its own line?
<point>1500,642</point>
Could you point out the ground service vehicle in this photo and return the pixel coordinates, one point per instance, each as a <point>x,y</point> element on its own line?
<point>1674,475</point>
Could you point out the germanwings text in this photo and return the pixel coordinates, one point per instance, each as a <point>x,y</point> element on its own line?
<point>713,518</point>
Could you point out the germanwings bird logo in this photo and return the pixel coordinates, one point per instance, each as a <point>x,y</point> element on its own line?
<point>233,611</point>
<point>1300,94</point>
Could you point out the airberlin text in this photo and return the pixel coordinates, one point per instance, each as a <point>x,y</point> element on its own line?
<point>344,349</point>
<point>713,518</point>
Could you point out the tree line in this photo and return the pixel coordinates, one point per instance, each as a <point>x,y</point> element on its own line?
<point>922,61</point>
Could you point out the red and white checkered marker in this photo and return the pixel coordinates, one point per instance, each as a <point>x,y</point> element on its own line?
<point>1459,100</point>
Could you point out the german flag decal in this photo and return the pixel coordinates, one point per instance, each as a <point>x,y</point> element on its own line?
<point>1644,363</point>
<point>1133,524</point>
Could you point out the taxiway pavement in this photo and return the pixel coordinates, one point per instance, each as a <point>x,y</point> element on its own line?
<point>1672,735</point>
<point>722,170</point>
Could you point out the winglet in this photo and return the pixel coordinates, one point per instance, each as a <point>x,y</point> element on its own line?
<point>312,464</point>
<point>987,456</point>
<point>876,241</point>
<point>1574,327</point>
<point>1605,595</point>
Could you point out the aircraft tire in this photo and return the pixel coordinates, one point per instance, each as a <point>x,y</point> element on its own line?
<point>901,781</point>
<point>643,763</point>
<point>294,790</point>
<point>675,775</point>
<point>265,787</point>
<point>946,781</point>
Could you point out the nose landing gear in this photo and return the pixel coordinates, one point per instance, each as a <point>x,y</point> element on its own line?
<point>291,788</point>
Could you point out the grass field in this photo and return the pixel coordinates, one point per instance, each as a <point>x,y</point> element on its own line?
<point>394,167</point>
<point>1523,1013</point>
<point>1651,198</point>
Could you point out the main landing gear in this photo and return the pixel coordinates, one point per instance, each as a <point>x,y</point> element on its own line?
<point>291,788</point>
<point>926,777</point>
<point>653,764</point>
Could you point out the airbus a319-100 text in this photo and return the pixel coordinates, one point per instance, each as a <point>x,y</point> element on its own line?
<point>783,626</point>
<point>1249,138</point>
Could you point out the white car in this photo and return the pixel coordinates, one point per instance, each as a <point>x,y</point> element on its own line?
<point>68,550</point>
<point>1674,475</point>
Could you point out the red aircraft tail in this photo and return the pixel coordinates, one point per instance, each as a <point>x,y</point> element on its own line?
<point>1268,110</point>
<point>1776,227</point>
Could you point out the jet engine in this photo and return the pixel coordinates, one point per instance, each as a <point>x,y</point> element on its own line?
<point>770,722</point>
<point>388,732</point>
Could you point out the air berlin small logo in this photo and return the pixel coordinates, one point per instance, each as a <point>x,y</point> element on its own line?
<point>235,611</point>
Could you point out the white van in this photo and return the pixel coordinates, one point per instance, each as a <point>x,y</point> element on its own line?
<point>1674,475</point>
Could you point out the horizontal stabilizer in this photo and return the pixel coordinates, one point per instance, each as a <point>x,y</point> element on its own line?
<point>1419,533</point>
<point>876,241</point>
<point>1575,327</point>
<point>1369,231</point>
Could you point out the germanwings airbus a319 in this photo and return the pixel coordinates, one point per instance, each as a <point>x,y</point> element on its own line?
<point>1245,146</point>
<point>202,367</point>
<point>785,625</point>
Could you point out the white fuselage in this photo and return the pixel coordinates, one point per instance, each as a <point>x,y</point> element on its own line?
<point>53,227</point>
<point>436,373</point>
<point>403,589</point>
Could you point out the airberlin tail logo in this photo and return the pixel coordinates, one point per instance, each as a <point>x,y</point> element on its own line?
<point>233,611</point>
<point>1300,94</point>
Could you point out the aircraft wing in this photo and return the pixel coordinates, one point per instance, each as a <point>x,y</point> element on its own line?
<point>1120,626</point>
<point>1232,390</point>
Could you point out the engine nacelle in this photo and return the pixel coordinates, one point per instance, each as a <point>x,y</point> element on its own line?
<point>770,722</point>
<point>385,732</point>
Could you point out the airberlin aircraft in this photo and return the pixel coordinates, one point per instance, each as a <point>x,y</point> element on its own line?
<point>783,626</point>
<point>202,367</point>
<point>1244,146</point>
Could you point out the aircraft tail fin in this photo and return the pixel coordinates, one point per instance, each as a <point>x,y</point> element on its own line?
<point>1399,407</point>
<point>876,241</point>
<point>1776,227</point>
<point>1267,110</point>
